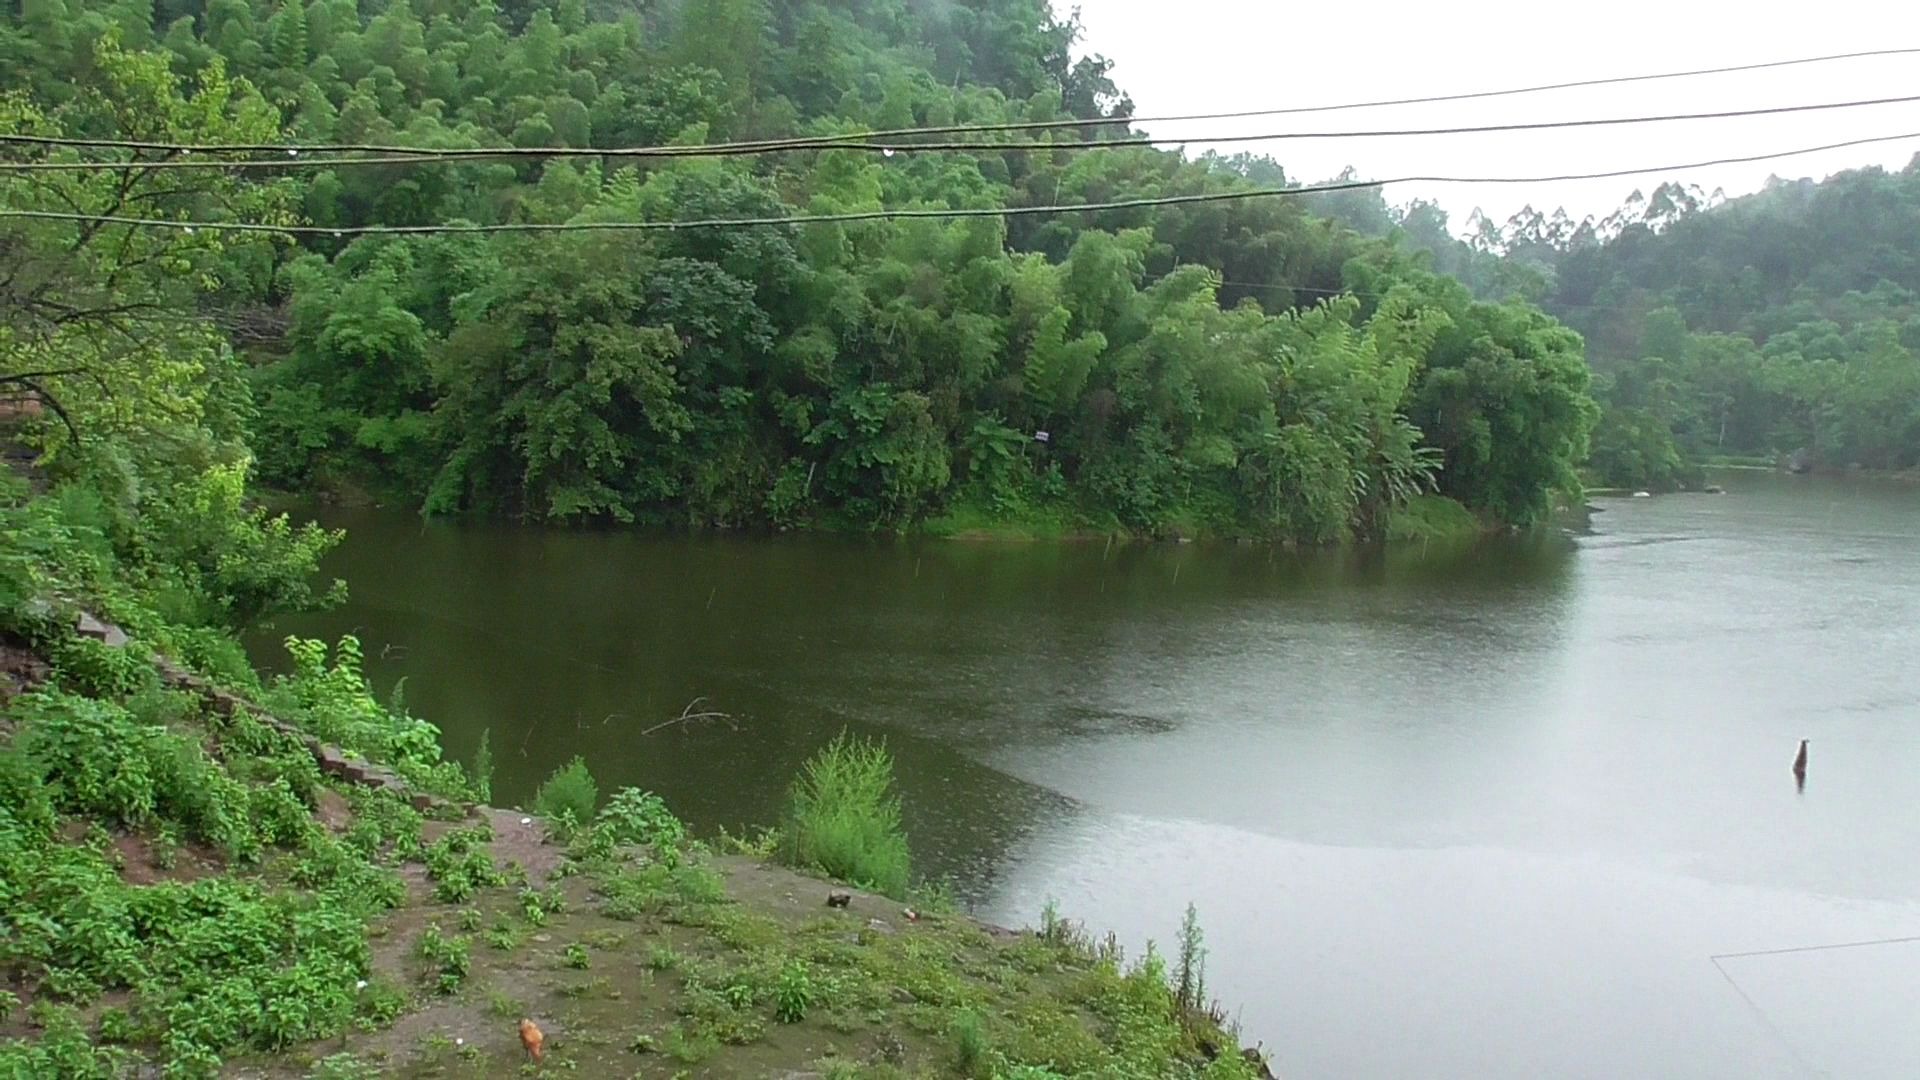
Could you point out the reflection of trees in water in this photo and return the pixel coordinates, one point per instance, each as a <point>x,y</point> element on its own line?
<point>563,643</point>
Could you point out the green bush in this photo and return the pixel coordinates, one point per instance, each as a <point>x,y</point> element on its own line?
<point>459,865</point>
<point>88,667</point>
<point>845,818</point>
<point>569,795</point>
<point>633,816</point>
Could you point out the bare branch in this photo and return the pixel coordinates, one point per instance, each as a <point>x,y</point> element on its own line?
<point>689,717</point>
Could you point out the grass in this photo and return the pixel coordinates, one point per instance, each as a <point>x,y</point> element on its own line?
<point>1432,517</point>
<point>844,818</point>
<point>972,521</point>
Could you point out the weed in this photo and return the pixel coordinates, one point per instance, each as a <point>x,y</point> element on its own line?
<point>576,957</point>
<point>480,770</point>
<point>470,920</point>
<point>448,959</point>
<point>567,798</point>
<point>600,987</point>
<point>116,1026</point>
<point>459,865</point>
<point>343,1066</point>
<point>935,897</point>
<point>738,995</point>
<point>844,817</point>
<point>793,993</point>
<point>663,958</point>
<point>1190,966</point>
<point>380,1003</point>
<point>686,1048</point>
<point>761,844</point>
<point>970,1046</point>
<point>535,905</point>
<point>164,849</point>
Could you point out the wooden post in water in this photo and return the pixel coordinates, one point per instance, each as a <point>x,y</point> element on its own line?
<point>1800,766</point>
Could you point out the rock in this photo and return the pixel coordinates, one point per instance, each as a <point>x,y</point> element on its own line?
<point>879,927</point>
<point>1258,1062</point>
<point>103,632</point>
<point>332,761</point>
<point>903,996</point>
<point>839,899</point>
<point>888,1048</point>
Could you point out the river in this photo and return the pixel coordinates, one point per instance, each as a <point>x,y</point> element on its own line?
<point>1480,813</point>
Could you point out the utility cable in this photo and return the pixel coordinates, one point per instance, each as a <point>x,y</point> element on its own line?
<point>889,149</point>
<point>911,213</point>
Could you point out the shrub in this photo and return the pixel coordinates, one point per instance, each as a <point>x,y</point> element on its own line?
<point>94,752</point>
<point>569,793</point>
<point>633,816</point>
<point>459,865</point>
<point>88,667</point>
<point>845,818</point>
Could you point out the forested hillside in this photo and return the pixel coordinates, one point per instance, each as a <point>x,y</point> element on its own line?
<point>1784,323</point>
<point>1088,369</point>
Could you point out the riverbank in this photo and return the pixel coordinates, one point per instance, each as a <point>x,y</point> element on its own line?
<point>202,881</point>
<point>1423,518</point>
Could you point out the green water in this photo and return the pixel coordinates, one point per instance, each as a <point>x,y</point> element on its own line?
<point>1482,812</point>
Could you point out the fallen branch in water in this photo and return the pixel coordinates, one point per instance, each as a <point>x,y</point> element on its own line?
<point>689,717</point>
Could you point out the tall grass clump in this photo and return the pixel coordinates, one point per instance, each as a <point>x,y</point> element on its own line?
<point>844,818</point>
<point>568,798</point>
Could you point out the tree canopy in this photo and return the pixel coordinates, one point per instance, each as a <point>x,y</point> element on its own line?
<point>1186,368</point>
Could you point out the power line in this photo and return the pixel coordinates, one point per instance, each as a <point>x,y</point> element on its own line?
<point>911,213</point>
<point>1299,110</point>
<point>722,150</point>
<point>803,143</point>
<point>1717,957</point>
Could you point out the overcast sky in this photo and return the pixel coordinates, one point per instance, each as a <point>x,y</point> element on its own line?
<point>1222,55</point>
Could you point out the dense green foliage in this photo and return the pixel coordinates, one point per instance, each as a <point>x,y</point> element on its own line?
<point>1782,323</point>
<point>1180,361</point>
<point>844,817</point>
<point>269,955</point>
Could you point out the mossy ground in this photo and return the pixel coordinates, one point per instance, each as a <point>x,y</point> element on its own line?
<point>684,976</point>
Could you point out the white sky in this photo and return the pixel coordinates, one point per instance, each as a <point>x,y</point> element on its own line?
<point>1225,55</point>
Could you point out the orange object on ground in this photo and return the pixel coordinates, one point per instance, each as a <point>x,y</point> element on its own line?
<point>532,1039</point>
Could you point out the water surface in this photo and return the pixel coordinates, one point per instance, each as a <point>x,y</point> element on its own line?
<point>1482,813</point>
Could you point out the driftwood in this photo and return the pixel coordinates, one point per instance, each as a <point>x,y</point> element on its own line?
<point>689,717</point>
